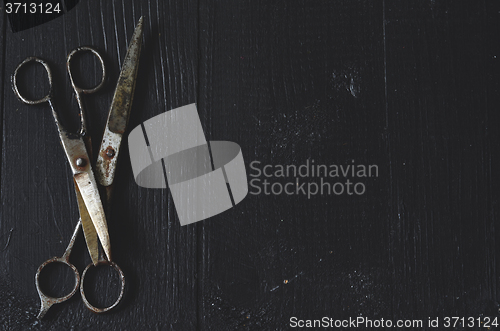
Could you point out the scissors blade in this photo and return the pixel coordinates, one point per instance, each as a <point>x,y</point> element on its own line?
<point>89,231</point>
<point>78,158</point>
<point>90,195</point>
<point>119,111</point>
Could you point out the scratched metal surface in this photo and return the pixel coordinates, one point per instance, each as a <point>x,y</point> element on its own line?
<point>410,86</point>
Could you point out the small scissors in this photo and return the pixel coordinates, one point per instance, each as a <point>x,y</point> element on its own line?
<point>77,148</point>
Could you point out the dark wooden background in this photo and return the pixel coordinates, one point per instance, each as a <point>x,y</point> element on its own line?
<point>412,86</point>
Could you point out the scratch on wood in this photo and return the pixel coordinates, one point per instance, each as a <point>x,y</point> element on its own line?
<point>8,239</point>
<point>31,264</point>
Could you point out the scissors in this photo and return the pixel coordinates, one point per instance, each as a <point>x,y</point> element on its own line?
<point>77,147</point>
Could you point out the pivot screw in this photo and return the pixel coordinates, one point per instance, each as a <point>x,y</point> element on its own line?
<point>110,152</point>
<point>81,162</point>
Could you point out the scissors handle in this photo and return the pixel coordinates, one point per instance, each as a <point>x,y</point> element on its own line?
<point>47,301</point>
<point>80,90</point>
<point>70,58</point>
<point>122,287</point>
<point>15,87</point>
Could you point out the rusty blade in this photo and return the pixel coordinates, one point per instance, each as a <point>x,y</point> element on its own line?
<point>90,196</point>
<point>78,158</point>
<point>88,228</point>
<point>119,111</point>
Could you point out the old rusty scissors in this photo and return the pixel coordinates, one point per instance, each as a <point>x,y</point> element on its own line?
<point>77,148</point>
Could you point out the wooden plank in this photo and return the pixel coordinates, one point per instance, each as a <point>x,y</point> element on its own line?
<point>442,242</point>
<point>291,81</point>
<point>38,202</point>
<point>492,68</point>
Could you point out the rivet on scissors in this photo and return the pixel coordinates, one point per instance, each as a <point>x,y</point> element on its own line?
<point>80,162</point>
<point>110,152</point>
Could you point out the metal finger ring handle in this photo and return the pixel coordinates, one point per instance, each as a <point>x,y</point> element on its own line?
<point>15,81</point>
<point>101,61</point>
<point>122,289</point>
<point>47,301</point>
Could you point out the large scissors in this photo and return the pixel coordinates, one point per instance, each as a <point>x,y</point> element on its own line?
<point>77,148</point>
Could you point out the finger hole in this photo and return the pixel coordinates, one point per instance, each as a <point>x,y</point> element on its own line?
<point>32,81</point>
<point>57,280</point>
<point>83,63</point>
<point>102,286</point>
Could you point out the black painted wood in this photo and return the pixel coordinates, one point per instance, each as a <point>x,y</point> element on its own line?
<point>409,86</point>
